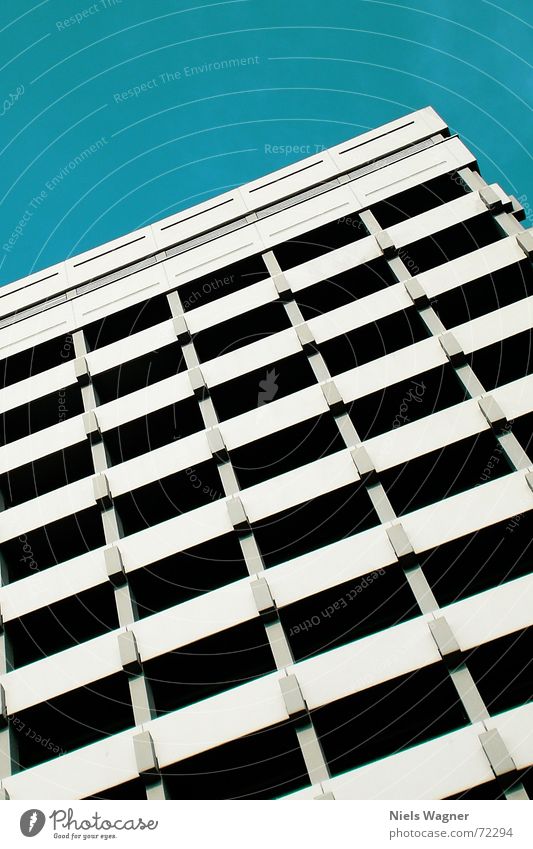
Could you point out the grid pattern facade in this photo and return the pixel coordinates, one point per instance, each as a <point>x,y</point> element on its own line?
<point>267,493</point>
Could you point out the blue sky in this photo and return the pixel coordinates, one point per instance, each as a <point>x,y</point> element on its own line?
<point>153,92</point>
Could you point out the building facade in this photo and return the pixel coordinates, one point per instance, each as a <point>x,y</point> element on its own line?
<point>267,493</point>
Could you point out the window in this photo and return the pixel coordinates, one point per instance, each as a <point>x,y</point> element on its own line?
<point>153,430</point>
<point>526,777</point>
<point>138,373</point>
<point>47,473</point>
<point>40,413</point>
<point>523,430</point>
<point>241,330</point>
<point>209,666</point>
<point>72,720</point>
<point>59,626</point>
<point>484,295</point>
<point>348,612</point>
<point>187,574</point>
<point>169,497</point>
<point>388,718</point>
<point>133,789</point>
<point>53,543</point>
<point>262,386</point>
<point>440,474</point>
<point>488,790</point>
<point>407,401</point>
<point>223,281</point>
<point>36,360</point>
<point>502,670</point>
<point>344,288</point>
<point>320,241</point>
<point>481,560</point>
<point>286,449</point>
<point>120,325</point>
<point>419,199</point>
<point>374,340</point>
<point>453,242</point>
<point>321,521</point>
<point>263,765</point>
<point>503,361</point>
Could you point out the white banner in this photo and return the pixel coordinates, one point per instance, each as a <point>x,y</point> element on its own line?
<point>247,825</point>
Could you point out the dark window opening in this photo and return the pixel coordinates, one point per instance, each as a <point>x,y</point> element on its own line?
<point>374,340</point>
<point>419,199</point>
<point>54,543</point>
<point>445,472</point>
<point>223,281</point>
<point>344,288</point>
<point>319,241</point>
<point>35,360</point>
<point>316,523</point>
<point>262,386</point>
<point>187,574</point>
<point>169,497</point>
<point>241,330</point>
<point>481,560</point>
<point>488,790</point>
<point>503,361</point>
<point>486,294</point>
<point>523,430</point>
<point>526,777</point>
<point>120,325</point>
<point>451,243</point>
<point>407,401</point>
<point>41,413</point>
<point>388,718</point>
<point>61,625</point>
<point>503,670</point>
<point>263,765</point>
<point>209,666</point>
<point>47,473</point>
<point>286,449</point>
<point>342,614</point>
<point>133,789</point>
<point>72,720</point>
<point>138,373</point>
<point>153,430</point>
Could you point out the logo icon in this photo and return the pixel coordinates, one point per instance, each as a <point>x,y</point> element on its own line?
<point>32,822</point>
<point>268,387</point>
